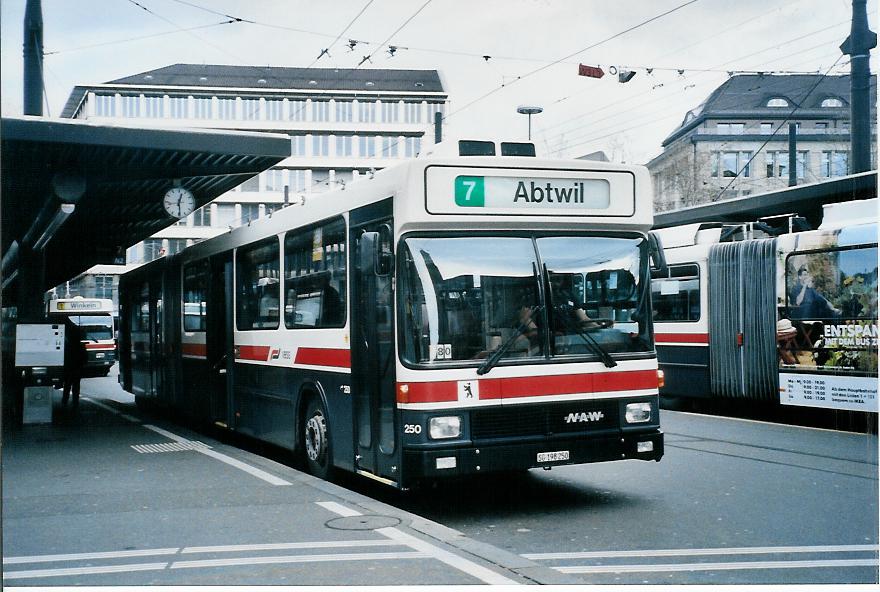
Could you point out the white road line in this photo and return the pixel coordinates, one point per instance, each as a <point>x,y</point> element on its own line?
<point>280,546</point>
<point>82,556</point>
<point>337,508</point>
<point>112,410</point>
<point>586,569</point>
<point>460,563</point>
<point>769,423</point>
<point>702,552</point>
<point>260,474</point>
<point>78,571</point>
<point>298,559</point>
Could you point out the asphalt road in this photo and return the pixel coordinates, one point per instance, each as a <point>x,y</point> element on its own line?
<point>732,502</point>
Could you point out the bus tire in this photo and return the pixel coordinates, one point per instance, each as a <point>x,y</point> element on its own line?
<point>316,439</point>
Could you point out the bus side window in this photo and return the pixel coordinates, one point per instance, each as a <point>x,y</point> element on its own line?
<point>257,271</point>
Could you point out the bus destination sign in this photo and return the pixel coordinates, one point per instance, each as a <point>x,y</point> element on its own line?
<point>537,192</point>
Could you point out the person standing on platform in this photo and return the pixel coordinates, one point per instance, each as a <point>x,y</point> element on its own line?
<point>74,361</point>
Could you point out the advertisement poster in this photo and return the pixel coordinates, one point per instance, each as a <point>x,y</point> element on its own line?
<point>827,338</point>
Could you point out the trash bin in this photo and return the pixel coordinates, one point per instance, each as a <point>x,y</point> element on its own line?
<point>37,404</point>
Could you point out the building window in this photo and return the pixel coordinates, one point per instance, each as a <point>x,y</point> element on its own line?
<point>226,108</point>
<point>297,111</point>
<point>728,164</point>
<point>155,107</point>
<point>131,106</point>
<point>225,215</point>
<point>412,145</point>
<point>436,108</point>
<point>297,180</point>
<point>274,109</point>
<point>389,147</point>
<point>105,105</point>
<point>320,145</point>
<point>344,110</point>
<point>179,107</point>
<point>834,163</point>
<point>832,102</point>
<point>390,112</point>
<point>251,184</point>
<point>249,212</point>
<point>103,286</point>
<point>730,128</point>
<point>766,128</point>
<point>271,208</point>
<point>175,245</point>
<point>152,249</point>
<point>412,112</point>
<point>320,110</point>
<point>821,125</point>
<point>367,112</point>
<point>343,146</point>
<point>257,287</point>
<point>367,146</point>
<point>274,180</point>
<point>250,109</point>
<point>777,102</point>
<point>203,108</point>
<point>297,145</point>
<point>314,277</point>
<point>777,164</point>
<point>202,216</point>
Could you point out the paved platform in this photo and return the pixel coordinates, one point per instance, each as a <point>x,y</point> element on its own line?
<point>108,495</point>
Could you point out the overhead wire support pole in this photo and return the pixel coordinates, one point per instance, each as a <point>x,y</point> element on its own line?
<point>858,46</point>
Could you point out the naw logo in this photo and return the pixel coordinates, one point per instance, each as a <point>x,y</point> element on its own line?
<point>584,417</point>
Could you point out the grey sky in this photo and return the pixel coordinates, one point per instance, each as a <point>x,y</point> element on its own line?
<point>97,41</point>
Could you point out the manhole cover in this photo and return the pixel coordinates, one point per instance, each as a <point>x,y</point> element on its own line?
<point>362,522</point>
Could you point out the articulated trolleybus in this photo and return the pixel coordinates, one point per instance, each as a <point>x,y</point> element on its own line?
<point>789,320</point>
<point>450,316</point>
<point>94,317</point>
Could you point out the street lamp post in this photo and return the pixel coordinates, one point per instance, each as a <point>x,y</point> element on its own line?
<point>529,110</point>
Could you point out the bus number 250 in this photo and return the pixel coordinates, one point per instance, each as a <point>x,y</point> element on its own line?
<point>412,428</point>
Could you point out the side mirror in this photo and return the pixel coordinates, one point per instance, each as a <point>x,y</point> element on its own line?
<point>658,257</point>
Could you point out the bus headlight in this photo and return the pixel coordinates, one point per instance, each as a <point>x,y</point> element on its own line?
<point>638,412</point>
<point>444,427</point>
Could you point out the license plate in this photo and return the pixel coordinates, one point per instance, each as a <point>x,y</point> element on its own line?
<point>552,456</point>
<point>99,356</point>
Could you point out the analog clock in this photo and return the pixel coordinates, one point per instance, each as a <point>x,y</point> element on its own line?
<point>179,202</point>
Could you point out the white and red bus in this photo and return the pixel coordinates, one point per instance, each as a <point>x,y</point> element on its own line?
<point>453,315</point>
<point>789,319</point>
<point>94,317</point>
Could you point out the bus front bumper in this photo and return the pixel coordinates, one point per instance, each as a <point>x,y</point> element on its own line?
<point>474,460</point>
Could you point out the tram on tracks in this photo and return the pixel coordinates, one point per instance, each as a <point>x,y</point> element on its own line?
<point>454,315</point>
<point>788,319</point>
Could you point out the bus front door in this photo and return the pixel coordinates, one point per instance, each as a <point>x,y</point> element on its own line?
<point>373,386</point>
<point>219,339</point>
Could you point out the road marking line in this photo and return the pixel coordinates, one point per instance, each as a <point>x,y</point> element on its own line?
<point>298,559</point>
<point>112,410</point>
<point>460,563</point>
<point>82,556</point>
<point>78,571</point>
<point>260,474</point>
<point>769,423</point>
<point>700,552</point>
<point>585,569</point>
<point>279,546</point>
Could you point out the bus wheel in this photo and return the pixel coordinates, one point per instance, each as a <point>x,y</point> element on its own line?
<point>317,440</point>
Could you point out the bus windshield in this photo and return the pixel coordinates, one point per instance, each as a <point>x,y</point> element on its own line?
<point>95,327</point>
<point>529,298</point>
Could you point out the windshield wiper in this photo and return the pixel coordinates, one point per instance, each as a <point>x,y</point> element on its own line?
<point>499,351</point>
<point>588,339</point>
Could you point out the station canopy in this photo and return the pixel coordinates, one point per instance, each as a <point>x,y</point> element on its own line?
<point>116,177</point>
<point>802,200</point>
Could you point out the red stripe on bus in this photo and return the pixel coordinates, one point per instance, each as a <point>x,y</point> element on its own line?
<point>681,337</point>
<point>194,349</point>
<point>100,346</point>
<point>253,352</point>
<point>531,386</point>
<point>321,356</point>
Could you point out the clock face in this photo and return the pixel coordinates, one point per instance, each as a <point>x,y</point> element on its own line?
<point>179,202</point>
